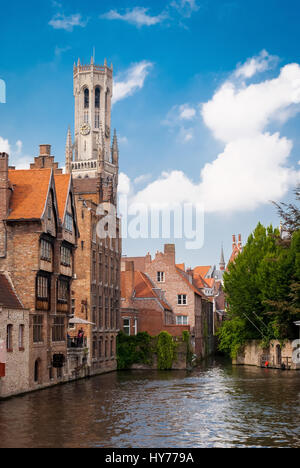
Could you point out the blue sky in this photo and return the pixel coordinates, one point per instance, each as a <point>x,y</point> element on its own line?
<point>202,79</point>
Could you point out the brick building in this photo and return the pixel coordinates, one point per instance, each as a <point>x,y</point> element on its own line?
<point>38,237</point>
<point>190,305</point>
<point>94,165</point>
<point>144,307</point>
<point>14,341</point>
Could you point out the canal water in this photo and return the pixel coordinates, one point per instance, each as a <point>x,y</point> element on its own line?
<point>216,405</point>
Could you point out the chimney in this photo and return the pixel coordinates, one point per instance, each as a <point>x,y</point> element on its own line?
<point>129,279</point>
<point>170,251</point>
<point>4,201</point>
<point>233,242</point>
<point>45,150</point>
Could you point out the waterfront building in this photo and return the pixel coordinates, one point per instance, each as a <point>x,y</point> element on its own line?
<point>93,161</point>
<point>38,238</point>
<point>144,307</point>
<point>190,306</point>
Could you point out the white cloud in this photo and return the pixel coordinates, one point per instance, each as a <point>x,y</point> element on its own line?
<point>60,21</point>
<point>257,64</point>
<point>131,81</point>
<point>124,184</point>
<point>185,7</point>
<point>240,111</point>
<point>142,179</point>
<point>253,168</point>
<point>138,16</point>
<point>4,146</point>
<point>16,157</point>
<point>178,118</point>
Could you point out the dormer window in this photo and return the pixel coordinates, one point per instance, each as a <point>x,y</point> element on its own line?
<point>46,251</point>
<point>69,222</point>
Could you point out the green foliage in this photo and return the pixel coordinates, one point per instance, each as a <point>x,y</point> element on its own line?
<point>186,338</point>
<point>263,291</point>
<point>233,335</point>
<point>166,351</point>
<point>134,350</point>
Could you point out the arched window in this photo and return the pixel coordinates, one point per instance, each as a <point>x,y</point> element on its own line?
<point>106,100</point>
<point>97,98</point>
<point>86,98</point>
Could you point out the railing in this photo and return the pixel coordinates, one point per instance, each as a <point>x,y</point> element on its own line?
<point>77,343</point>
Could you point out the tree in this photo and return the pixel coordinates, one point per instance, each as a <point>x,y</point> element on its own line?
<point>263,290</point>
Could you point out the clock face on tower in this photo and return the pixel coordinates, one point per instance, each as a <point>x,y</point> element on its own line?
<point>85,129</point>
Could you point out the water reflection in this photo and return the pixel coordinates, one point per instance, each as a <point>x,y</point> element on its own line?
<point>214,406</point>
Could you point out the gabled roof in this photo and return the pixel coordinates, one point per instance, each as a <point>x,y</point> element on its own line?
<point>143,288</point>
<point>181,266</point>
<point>192,286</point>
<point>62,184</point>
<point>202,270</point>
<point>8,297</point>
<point>200,282</point>
<point>30,192</point>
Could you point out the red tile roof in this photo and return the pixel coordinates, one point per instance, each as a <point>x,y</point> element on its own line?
<point>8,297</point>
<point>30,190</point>
<point>62,185</point>
<point>202,270</point>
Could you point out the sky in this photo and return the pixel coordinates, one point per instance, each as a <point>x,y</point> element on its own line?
<point>206,102</point>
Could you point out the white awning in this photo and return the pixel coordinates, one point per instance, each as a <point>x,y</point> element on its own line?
<point>79,321</point>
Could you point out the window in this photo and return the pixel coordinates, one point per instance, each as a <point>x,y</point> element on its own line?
<point>100,313</point>
<point>58,328</point>
<point>160,277</point>
<point>181,320</point>
<point>9,343</point>
<point>49,212</point>
<point>112,347</point>
<point>100,347</point>
<point>106,313</point>
<point>46,249</point>
<point>126,326</point>
<point>73,308</point>
<point>182,299</point>
<point>69,222</point>
<point>65,256</point>
<point>94,347</point>
<point>94,267</point>
<point>42,287</point>
<point>106,348</point>
<point>86,98</point>
<point>97,120</point>
<point>37,371</point>
<point>86,117</point>
<point>38,329</point>
<point>63,291</point>
<point>97,98</point>
<point>94,318</point>
<point>21,337</point>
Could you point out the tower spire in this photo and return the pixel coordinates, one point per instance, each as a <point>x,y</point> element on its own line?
<point>222,260</point>
<point>69,152</point>
<point>115,149</point>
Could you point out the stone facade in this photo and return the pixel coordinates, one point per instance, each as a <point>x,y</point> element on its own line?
<point>274,356</point>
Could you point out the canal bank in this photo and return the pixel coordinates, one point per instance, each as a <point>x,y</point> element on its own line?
<point>215,405</point>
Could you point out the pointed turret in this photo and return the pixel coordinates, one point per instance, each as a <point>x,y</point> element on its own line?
<point>69,152</point>
<point>222,260</point>
<point>115,150</point>
<point>78,63</point>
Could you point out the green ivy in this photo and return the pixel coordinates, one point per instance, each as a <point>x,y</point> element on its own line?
<point>166,351</point>
<point>140,349</point>
<point>186,338</point>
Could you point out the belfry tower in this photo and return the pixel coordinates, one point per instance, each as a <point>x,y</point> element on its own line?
<point>91,155</point>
